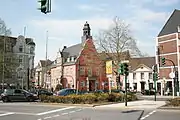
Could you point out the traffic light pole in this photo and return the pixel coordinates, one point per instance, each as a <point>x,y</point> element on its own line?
<point>175,79</point>
<point>125,90</point>
<point>155,74</point>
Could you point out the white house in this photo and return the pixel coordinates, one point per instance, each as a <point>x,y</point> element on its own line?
<point>24,50</point>
<point>141,74</point>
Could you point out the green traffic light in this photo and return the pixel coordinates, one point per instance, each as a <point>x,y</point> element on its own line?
<point>163,61</point>
<point>121,69</point>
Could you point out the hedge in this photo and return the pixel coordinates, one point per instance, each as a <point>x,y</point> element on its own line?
<point>174,102</point>
<point>87,98</point>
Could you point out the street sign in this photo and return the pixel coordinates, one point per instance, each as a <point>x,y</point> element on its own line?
<point>171,75</point>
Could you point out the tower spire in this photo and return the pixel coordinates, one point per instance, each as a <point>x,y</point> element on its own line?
<point>86,32</point>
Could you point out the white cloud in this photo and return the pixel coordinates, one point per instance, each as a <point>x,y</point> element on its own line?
<point>86,7</point>
<point>63,32</point>
<point>165,2</point>
<point>159,3</point>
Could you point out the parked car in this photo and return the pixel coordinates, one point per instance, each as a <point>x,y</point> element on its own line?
<point>18,95</point>
<point>65,92</point>
<point>41,92</point>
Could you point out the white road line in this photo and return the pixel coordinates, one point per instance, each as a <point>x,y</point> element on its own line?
<point>4,114</point>
<point>47,117</point>
<point>148,115</point>
<point>55,116</point>
<point>64,113</point>
<point>72,111</point>
<point>52,111</point>
<point>78,110</point>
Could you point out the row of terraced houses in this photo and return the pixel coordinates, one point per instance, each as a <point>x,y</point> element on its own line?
<point>81,66</point>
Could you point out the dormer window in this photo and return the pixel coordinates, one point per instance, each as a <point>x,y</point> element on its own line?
<point>20,48</point>
<point>72,58</point>
<point>68,59</point>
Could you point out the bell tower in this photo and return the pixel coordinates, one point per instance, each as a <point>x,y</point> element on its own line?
<point>86,32</point>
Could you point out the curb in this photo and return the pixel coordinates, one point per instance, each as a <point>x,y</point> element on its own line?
<point>80,105</point>
<point>60,104</point>
<point>169,108</point>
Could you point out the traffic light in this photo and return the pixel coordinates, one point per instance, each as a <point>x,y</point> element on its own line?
<point>163,61</point>
<point>121,69</point>
<point>126,69</point>
<point>155,76</point>
<point>45,6</point>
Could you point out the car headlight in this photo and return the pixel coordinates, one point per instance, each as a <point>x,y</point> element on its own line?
<point>34,95</point>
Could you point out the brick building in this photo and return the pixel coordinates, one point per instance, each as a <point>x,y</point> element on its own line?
<point>167,46</point>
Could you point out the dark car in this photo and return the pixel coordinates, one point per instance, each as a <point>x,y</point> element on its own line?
<point>18,95</point>
<point>65,92</point>
<point>41,92</point>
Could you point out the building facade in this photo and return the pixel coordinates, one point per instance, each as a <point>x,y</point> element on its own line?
<point>42,75</point>
<point>19,53</point>
<point>167,44</point>
<point>79,66</point>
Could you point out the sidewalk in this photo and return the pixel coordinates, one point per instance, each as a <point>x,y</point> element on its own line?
<point>141,104</point>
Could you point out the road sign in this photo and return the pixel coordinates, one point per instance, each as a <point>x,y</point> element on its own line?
<point>171,75</point>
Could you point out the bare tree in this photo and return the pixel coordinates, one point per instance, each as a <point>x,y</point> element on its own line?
<point>8,61</point>
<point>116,40</point>
<point>3,29</point>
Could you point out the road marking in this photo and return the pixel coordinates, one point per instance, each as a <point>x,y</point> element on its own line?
<point>78,110</point>
<point>47,117</point>
<point>148,115</point>
<point>72,111</point>
<point>4,114</point>
<point>55,116</point>
<point>52,111</point>
<point>64,113</point>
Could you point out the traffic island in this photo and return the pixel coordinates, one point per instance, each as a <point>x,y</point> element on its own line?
<point>89,100</point>
<point>173,104</point>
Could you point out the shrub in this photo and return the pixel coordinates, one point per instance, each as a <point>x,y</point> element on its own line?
<point>87,98</point>
<point>174,102</point>
<point>114,97</point>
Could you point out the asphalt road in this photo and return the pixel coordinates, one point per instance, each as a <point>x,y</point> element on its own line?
<point>29,111</point>
<point>162,115</point>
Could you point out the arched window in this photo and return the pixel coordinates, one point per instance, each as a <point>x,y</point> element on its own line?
<point>20,48</point>
<point>31,50</point>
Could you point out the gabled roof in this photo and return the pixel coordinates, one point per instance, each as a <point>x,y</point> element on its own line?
<point>171,24</point>
<point>141,65</point>
<point>72,50</point>
<point>147,61</point>
<point>43,63</point>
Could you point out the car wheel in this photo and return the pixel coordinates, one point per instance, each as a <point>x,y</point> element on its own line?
<point>30,99</point>
<point>5,99</point>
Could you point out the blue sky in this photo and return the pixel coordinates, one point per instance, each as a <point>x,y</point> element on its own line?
<point>66,20</point>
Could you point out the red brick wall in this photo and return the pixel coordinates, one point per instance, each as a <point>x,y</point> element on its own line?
<point>164,73</point>
<point>90,58</point>
<point>166,48</point>
<point>173,36</point>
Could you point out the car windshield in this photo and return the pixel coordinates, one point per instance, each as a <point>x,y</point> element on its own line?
<point>8,91</point>
<point>61,91</point>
